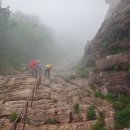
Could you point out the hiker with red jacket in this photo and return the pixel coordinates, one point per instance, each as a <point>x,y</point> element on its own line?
<point>33,67</point>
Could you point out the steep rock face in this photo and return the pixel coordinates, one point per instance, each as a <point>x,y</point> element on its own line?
<point>55,100</point>
<point>109,50</point>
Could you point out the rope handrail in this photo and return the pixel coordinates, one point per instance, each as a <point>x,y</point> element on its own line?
<point>21,118</point>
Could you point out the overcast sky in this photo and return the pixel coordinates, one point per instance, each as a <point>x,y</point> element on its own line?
<point>76,20</point>
<point>73,16</point>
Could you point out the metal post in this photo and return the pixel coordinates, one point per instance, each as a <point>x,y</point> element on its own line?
<point>39,79</point>
<point>32,96</point>
<point>15,126</point>
<point>25,117</point>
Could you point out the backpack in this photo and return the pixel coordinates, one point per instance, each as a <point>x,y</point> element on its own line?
<point>33,64</point>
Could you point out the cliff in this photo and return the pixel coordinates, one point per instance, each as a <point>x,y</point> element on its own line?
<point>109,52</point>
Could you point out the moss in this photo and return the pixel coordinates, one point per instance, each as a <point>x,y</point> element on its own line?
<point>98,126</point>
<point>129,70</point>
<point>51,121</point>
<point>77,108</point>
<point>99,95</point>
<point>101,117</point>
<point>55,101</point>
<point>13,116</point>
<point>91,114</point>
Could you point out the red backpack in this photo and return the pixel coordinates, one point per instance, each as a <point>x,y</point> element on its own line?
<point>33,64</point>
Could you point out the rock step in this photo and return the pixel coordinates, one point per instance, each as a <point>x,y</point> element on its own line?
<point>84,125</point>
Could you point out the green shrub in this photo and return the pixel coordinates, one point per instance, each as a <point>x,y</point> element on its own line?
<point>98,126</point>
<point>123,100</point>
<point>77,108</point>
<point>99,95</point>
<point>51,121</point>
<point>91,114</point>
<point>122,109</point>
<point>121,104</point>
<point>13,116</point>
<point>122,118</point>
<point>129,70</point>
<point>118,101</point>
<point>111,97</point>
<point>101,117</point>
<point>117,105</point>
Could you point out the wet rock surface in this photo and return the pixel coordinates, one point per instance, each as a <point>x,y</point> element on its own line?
<point>55,101</point>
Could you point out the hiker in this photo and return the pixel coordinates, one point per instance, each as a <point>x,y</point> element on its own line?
<point>32,66</point>
<point>35,67</point>
<point>48,69</point>
<point>38,67</point>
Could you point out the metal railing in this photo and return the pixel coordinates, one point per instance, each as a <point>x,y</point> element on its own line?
<point>20,122</point>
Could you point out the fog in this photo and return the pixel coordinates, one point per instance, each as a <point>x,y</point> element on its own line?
<point>73,22</point>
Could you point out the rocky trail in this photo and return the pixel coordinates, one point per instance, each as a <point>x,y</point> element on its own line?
<point>54,103</point>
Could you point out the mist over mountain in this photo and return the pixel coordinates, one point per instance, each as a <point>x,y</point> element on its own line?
<point>72,23</point>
